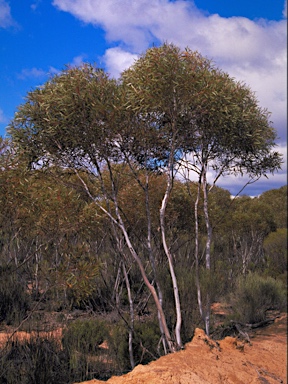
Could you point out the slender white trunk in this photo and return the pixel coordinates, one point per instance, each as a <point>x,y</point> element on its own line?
<point>152,260</point>
<point>171,266</point>
<point>116,295</point>
<point>131,306</point>
<point>208,247</point>
<point>199,297</point>
<point>119,222</point>
<point>148,284</point>
<point>207,222</point>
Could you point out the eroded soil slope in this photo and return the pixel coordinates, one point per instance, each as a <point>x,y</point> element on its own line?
<point>229,361</point>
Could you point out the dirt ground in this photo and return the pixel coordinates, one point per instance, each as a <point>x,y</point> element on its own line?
<point>229,361</point>
<point>203,361</point>
<point>21,335</point>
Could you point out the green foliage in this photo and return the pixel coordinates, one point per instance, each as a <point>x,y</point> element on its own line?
<point>277,200</point>
<point>84,336</point>
<point>81,340</point>
<point>118,346</point>
<point>189,104</point>
<point>74,99</point>
<point>43,360</point>
<point>147,345</point>
<point>275,248</point>
<point>14,299</point>
<point>212,283</point>
<point>250,221</point>
<point>81,280</point>
<point>188,294</point>
<point>254,295</point>
<point>33,361</point>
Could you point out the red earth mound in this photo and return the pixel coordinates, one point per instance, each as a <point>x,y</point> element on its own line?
<point>230,361</point>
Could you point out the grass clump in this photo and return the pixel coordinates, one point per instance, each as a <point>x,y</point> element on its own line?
<point>14,299</point>
<point>38,360</point>
<point>254,295</point>
<point>84,336</point>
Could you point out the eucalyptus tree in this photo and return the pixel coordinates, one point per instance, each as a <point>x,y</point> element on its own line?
<point>171,111</point>
<point>76,121</point>
<point>204,121</point>
<point>158,88</point>
<point>251,222</point>
<point>277,200</point>
<point>232,135</point>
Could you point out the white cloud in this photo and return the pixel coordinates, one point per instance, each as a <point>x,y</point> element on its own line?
<point>77,61</point>
<point>35,5</point>
<point>39,73</point>
<point>235,184</point>
<point>6,19</point>
<point>277,180</point>
<point>133,22</point>
<point>32,73</point>
<point>116,60</point>
<point>270,86</point>
<point>285,9</point>
<point>3,118</point>
<point>54,71</point>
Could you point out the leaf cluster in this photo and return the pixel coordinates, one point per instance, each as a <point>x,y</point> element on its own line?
<point>170,103</point>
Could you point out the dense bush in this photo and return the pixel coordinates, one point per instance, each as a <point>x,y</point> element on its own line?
<point>146,344</point>
<point>84,336</point>
<point>81,342</point>
<point>254,295</point>
<point>46,361</point>
<point>118,347</point>
<point>275,248</point>
<point>14,299</point>
<point>33,361</point>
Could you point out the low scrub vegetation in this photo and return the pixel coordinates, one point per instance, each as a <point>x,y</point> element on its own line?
<point>255,295</point>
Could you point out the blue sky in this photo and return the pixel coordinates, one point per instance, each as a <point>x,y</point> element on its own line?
<point>245,38</point>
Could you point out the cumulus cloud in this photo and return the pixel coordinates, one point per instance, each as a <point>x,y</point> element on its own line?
<point>34,6</point>
<point>54,71</point>
<point>235,184</point>
<point>285,9</point>
<point>77,61</point>
<point>39,73</point>
<point>36,73</point>
<point>138,23</point>
<point>277,180</point>
<point>6,19</point>
<point>117,59</point>
<point>3,118</point>
<point>133,22</point>
<point>270,86</point>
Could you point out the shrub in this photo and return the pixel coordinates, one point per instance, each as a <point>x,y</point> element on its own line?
<point>14,300</point>
<point>146,346</point>
<point>118,347</point>
<point>254,295</point>
<point>146,342</point>
<point>275,247</point>
<point>81,340</point>
<point>33,361</point>
<point>43,360</point>
<point>84,336</point>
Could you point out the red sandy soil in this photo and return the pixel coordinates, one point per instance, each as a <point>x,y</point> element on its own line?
<point>203,361</point>
<point>21,335</point>
<point>230,361</point>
